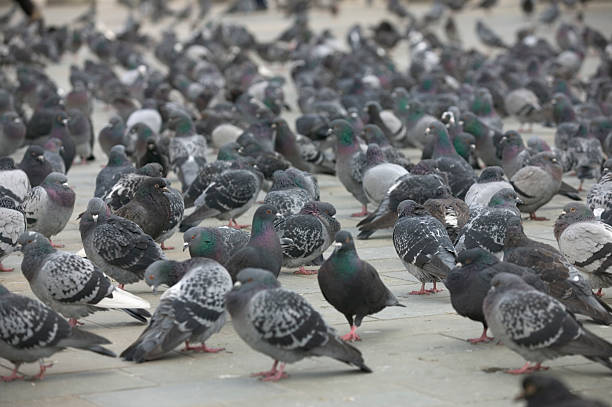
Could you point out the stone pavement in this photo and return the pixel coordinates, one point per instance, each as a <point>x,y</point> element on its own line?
<point>419,354</point>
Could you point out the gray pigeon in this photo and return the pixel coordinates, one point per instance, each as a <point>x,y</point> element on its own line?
<point>350,162</point>
<point>586,243</point>
<point>599,198</point>
<point>71,284</point>
<point>123,191</point>
<point>487,225</point>
<point>218,243</point>
<point>490,181</point>
<point>35,165</point>
<point>537,183</point>
<point>53,154</point>
<point>537,326</point>
<point>281,324</point>
<point>524,105</point>
<point>379,175</point>
<point>418,237</point>
<point>116,245</point>
<point>187,150</point>
<point>307,235</point>
<point>118,165</point>
<point>49,206</point>
<point>192,310</point>
<point>14,182</point>
<point>112,134</point>
<point>287,197</point>
<point>547,391</point>
<point>12,133</point>
<point>12,225</point>
<point>30,331</point>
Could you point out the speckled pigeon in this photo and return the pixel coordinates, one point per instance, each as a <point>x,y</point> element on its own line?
<point>599,198</point>
<point>281,324</point>
<point>30,331</point>
<point>12,225</point>
<point>14,182</point>
<point>192,310</point>
<point>187,150</point>
<point>124,189</point>
<point>118,165</point>
<point>286,196</point>
<point>547,391</point>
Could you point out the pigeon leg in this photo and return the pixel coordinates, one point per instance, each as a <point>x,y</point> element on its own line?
<point>166,247</point>
<point>57,246</point>
<point>14,376</point>
<point>233,224</point>
<point>533,216</point>
<point>280,374</point>
<point>483,338</point>
<point>527,369</point>
<point>201,348</point>
<point>122,286</point>
<point>434,289</point>
<point>422,291</point>
<point>74,322</point>
<point>364,212</point>
<point>43,369</point>
<point>599,292</point>
<point>4,269</point>
<point>302,271</point>
<point>580,186</point>
<point>267,373</point>
<point>351,336</point>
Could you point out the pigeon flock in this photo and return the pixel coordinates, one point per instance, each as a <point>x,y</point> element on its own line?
<point>204,129</point>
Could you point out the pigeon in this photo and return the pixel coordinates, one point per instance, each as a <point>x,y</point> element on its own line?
<point>218,243</point>
<point>118,165</point>
<point>418,237</point>
<point>378,175</point>
<point>488,36</point>
<point>14,182</point>
<point>35,165</point>
<point>12,133</point>
<point>537,183</point>
<point>452,212</point>
<point>511,149</point>
<point>187,150</point>
<point>537,326</point>
<point>416,187</point>
<point>524,105</point>
<point>285,195</point>
<point>546,391</point>
<point>282,325</point>
<point>112,134</point>
<point>192,310</point>
<point>117,246</point>
<point>587,156</point>
<point>80,128</point>
<point>414,116</point>
<point>586,243</point>
<point>208,174</point>
<point>352,285</point>
<point>285,142</point>
<point>230,195</point>
<point>12,225</point>
<point>72,285</point>
<point>49,206</point>
<point>263,249</point>
<point>350,162</point>
<point>483,134</point>
<point>490,181</point>
<point>31,331</point>
<point>563,281</point>
<point>305,180</point>
<point>156,208</point>
<point>307,235</point>
<point>148,116</point>
<point>599,198</point>
<point>487,226</point>
<point>124,189</point>
<point>53,154</point>
<point>374,135</point>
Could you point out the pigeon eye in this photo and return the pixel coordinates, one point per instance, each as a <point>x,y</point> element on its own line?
<point>151,277</point>
<point>268,211</point>
<point>573,210</point>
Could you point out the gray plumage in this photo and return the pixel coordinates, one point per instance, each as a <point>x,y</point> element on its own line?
<point>116,245</point>
<point>287,197</point>
<point>538,182</point>
<point>14,182</point>
<point>192,310</point>
<point>218,243</point>
<point>124,189</point>
<point>350,160</point>
<point>599,198</point>
<point>12,133</point>
<point>379,175</point>
<point>490,182</point>
<point>523,104</point>
<point>112,134</point>
<point>48,207</point>
<point>118,165</point>
<point>536,326</point>
<point>281,324</point>
<point>53,154</point>
<point>31,331</point>
<point>12,225</point>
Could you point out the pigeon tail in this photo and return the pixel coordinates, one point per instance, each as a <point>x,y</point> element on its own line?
<point>138,313</point>
<point>342,351</point>
<point>87,341</point>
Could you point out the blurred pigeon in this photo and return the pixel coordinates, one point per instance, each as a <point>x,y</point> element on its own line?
<point>112,134</point>
<point>53,154</point>
<point>35,165</point>
<point>14,182</point>
<point>118,165</point>
<point>524,105</point>
<point>12,133</point>
<point>192,310</point>
<point>32,331</point>
<point>287,197</point>
<point>488,37</point>
<point>282,325</point>
<point>218,243</point>
<point>546,391</point>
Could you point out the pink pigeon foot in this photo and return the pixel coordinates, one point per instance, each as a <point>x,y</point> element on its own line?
<point>580,186</point>
<point>122,286</point>
<point>4,269</point>
<point>351,336</point>
<point>201,348</point>
<point>74,322</point>
<point>14,376</point>
<point>422,291</point>
<point>163,247</point>
<point>364,212</point>
<point>57,246</point>
<point>41,373</point>
<point>527,369</point>
<point>302,271</point>
<point>533,216</point>
<point>280,374</point>
<point>483,338</point>
<point>267,373</point>
<point>233,224</point>
<point>599,292</point>
<point>434,289</point>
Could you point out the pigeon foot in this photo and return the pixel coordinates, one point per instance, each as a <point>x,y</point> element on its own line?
<point>302,271</point>
<point>351,336</point>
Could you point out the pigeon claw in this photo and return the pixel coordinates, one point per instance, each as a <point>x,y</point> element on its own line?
<point>233,224</point>
<point>201,348</point>
<point>532,216</point>
<point>483,338</point>
<point>364,212</point>
<point>527,369</point>
<point>351,336</point>
<point>599,292</point>
<point>14,376</point>
<point>57,246</point>
<point>302,271</point>
<point>4,269</point>
<point>74,322</point>
<point>41,373</point>
<point>163,247</point>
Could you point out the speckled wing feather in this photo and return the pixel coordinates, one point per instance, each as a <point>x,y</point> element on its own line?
<point>12,225</point>
<point>180,149</point>
<point>33,205</point>
<point>69,278</point>
<point>14,184</point>
<point>231,190</point>
<point>485,229</point>
<point>26,323</point>
<point>123,244</point>
<point>306,234</point>
<point>207,175</point>
<point>285,320</point>
<point>599,197</point>
<point>358,165</point>
<point>288,201</point>
<point>123,191</point>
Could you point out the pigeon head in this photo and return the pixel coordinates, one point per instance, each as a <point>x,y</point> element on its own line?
<point>181,123</point>
<point>158,273</point>
<point>228,152</point>
<point>115,121</point>
<point>344,241</point>
<point>35,248</point>
<point>482,103</point>
<point>12,125</point>
<point>60,120</point>
<point>151,170</point>
<point>34,154</point>
<point>409,208</point>
<point>263,219</point>
<point>373,134</point>
<point>476,256</point>
<point>548,161</point>
<point>541,389</point>
<point>437,132</point>
<point>249,278</point>
<point>401,99</point>
<point>504,281</point>
<point>537,144</point>
<point>372,109</point>
<point>510,145</point>
<point>491,174</point>
<point>345,137</point>
<point>56,179</point>
<point>563,111</point>
<point>7,163</point>
<point>117,156</point>
<point>203,242</point>
<point>505,198</point>
<point>572,212</point>
<point>374,155</point>
<point>96,212</point>
<point>281,180</point>
<point>54,145</point>
<point>152,187</point>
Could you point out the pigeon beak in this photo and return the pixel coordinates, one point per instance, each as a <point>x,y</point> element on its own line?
<point>337,244</point>
<point>563,213</point>
<point>185,246</point>
<point>237,284</point>
<point>65,184</point>
<point>519,201</point>
<point>95,217</point>
<point>165,189</point>
<point>458,265</point>
<point>154,289</point>
<point>330,131</point>
<point>427,131</point>
<point>40,158</point>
